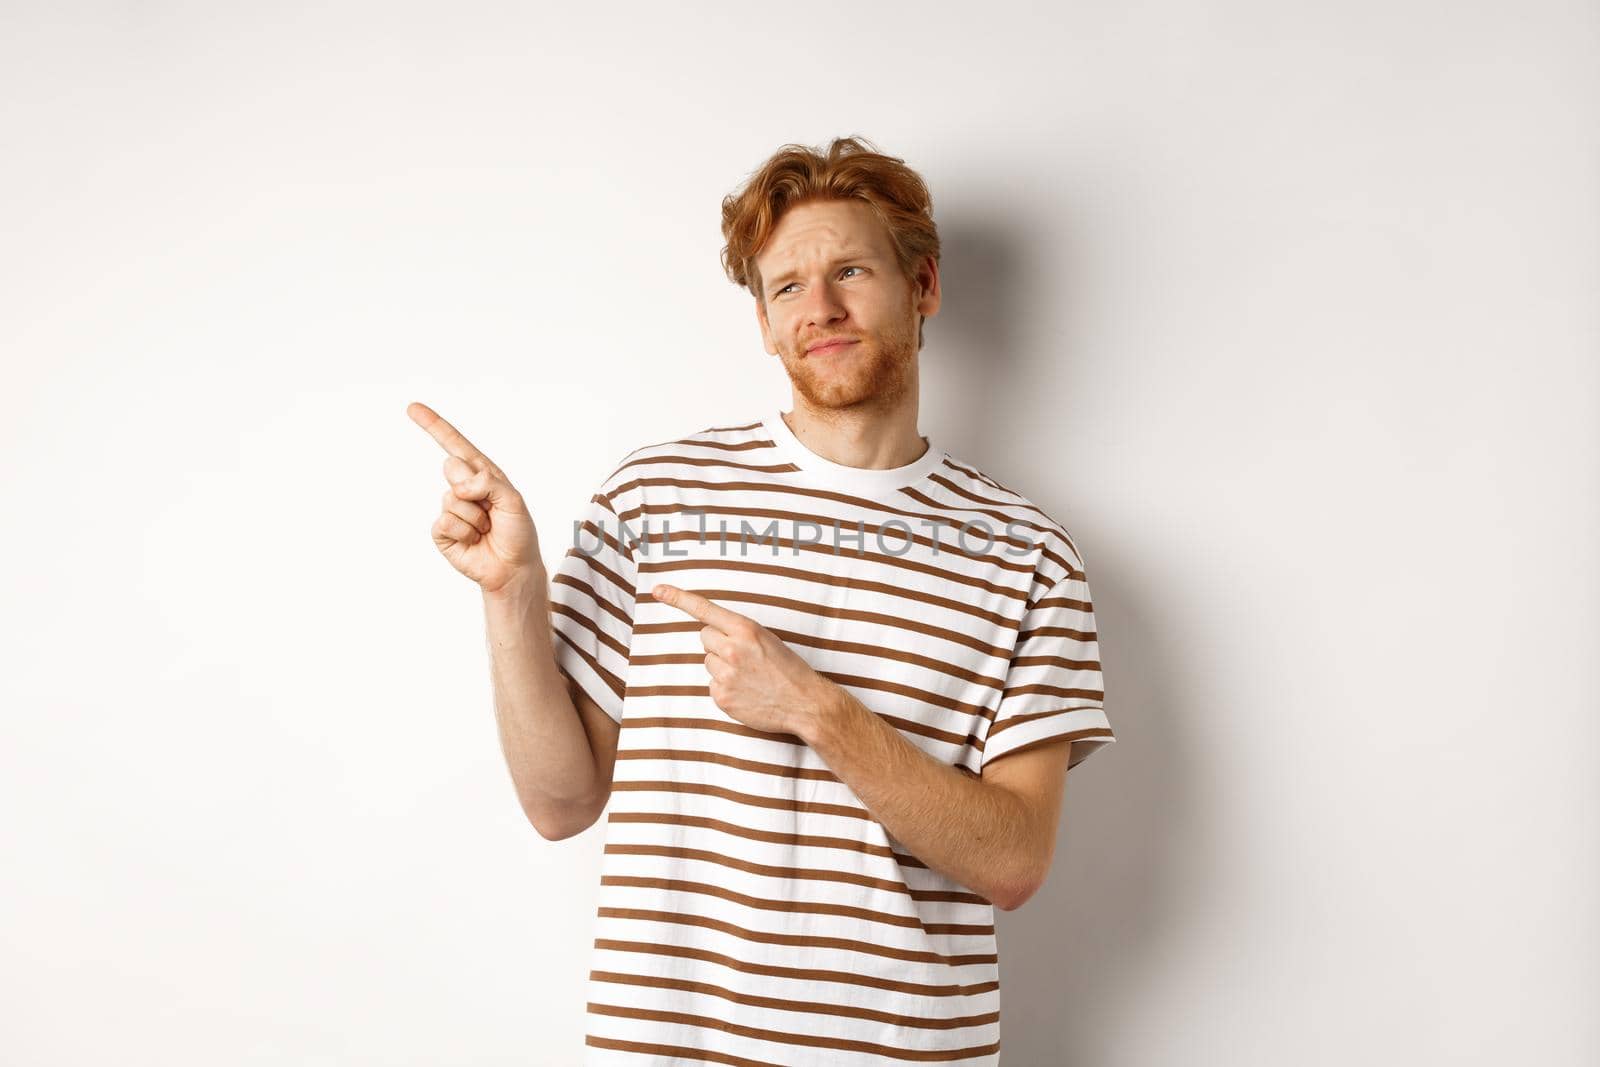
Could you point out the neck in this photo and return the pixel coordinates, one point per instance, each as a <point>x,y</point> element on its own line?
<point>869,436</point>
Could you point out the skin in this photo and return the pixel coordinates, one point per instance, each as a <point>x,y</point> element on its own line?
<point>827,271</point>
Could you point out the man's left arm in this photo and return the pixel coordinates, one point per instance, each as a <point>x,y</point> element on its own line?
<point>994,834</point>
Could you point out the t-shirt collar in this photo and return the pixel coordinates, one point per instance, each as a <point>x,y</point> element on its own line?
<point>865,480</point>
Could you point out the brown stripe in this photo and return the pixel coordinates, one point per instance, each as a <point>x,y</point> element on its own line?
<point>558,608</point>
<point>612,682</point>
<point>1033,716</point>
<point>715,461</point>
<point>1053,690</point>
<point>996,484</point>
<point>583,686</point>
<point>1051,525</point>
<point>686,755</point>
<point>780,488</point>
<point>692,439</point>
<point>1043,661</point>
<point>593,564</point>
<point>904,859</point>
<point>807,974</point>
<point>684,1052</point>
<point>741,596</point>
<point>796,637</point>
<point>905,725</point>
<point>974,473</point>
<point>843,944</point>
<point>1057,631</point>
<point>814,874</point>
<point>814,1007</point>
<point>1089,731</point>
<point>1077,735</point>
<point>1055,528</point>
<point>1063,601</point>
<point>868,533</point>
<point>652,563</point>
<point>812,840</point>
<point>731,429</point>
<point>1048,553</point>
<point>704,789</point>
<point>591,528</point>
<point>845,581</point>
<point>861,681</point>
<point>817,874</point>
<point>751,800</point>
<point>790,907</point>
<point>805,1040</point>
<point>1047,527</point>
<point>775,837</point>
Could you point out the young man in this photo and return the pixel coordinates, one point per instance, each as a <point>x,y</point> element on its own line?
<point>828,678</point>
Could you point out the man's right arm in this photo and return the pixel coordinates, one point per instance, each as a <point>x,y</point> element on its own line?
<point>559,746</point>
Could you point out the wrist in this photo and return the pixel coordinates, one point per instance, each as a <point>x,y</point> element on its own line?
<point>823,714</point>
<point>522,591</point>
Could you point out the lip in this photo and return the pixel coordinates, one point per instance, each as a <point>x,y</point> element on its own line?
<point>824,348</point>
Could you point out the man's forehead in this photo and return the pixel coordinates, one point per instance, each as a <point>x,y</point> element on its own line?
<point>839,228</point>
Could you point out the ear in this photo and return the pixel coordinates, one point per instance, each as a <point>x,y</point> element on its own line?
<point>766,328</point>
<point>926,284</point>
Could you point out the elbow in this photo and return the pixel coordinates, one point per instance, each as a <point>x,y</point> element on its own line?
<point>1017,892</point>
<point>559,825</point>
<point>550,834</point>
<point>1011,899</point>
<point>559,832</point>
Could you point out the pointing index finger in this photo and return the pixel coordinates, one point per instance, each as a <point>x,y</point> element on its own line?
<point>450,439</point>
<point>707,611</point>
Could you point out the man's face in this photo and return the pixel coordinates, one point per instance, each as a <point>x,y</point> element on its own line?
<point>829,271</point>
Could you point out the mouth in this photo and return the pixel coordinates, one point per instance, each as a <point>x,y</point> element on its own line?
<point>831,347</point>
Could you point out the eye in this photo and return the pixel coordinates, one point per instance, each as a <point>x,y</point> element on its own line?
<point>785,289</point>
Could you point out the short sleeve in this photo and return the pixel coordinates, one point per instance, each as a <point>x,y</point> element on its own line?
<point>592,594</point>
<point>1053,688</point>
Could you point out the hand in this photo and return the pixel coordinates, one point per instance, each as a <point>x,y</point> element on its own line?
<point>483,527</point>
<point>755,677</point>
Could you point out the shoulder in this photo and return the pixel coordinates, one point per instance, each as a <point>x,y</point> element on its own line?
<point>684,456</point>
<point>1013,514</point>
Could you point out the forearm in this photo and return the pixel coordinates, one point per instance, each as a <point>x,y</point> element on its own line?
<point>974,833</point>
<point>546,747</point>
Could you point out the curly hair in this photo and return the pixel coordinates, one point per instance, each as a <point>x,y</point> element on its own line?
<point>851,168</point>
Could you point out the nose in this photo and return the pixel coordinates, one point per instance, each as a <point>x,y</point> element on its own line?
<point>823,306</point>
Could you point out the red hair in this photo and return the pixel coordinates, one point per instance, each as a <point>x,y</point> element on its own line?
<point>851,168</point>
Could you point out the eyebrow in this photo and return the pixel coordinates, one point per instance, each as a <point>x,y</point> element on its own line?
<point>777,283</point>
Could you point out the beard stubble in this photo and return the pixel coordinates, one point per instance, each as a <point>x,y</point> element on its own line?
<point>875,372</point>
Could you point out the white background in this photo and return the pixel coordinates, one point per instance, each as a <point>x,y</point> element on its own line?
<point>1287,311</point>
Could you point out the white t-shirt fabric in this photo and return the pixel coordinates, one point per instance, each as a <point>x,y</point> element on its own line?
<point>751,909</point>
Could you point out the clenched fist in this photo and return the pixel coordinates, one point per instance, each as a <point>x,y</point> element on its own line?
<point>483,527</point>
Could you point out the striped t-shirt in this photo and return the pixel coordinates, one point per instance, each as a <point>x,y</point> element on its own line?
<point>751,909</point>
